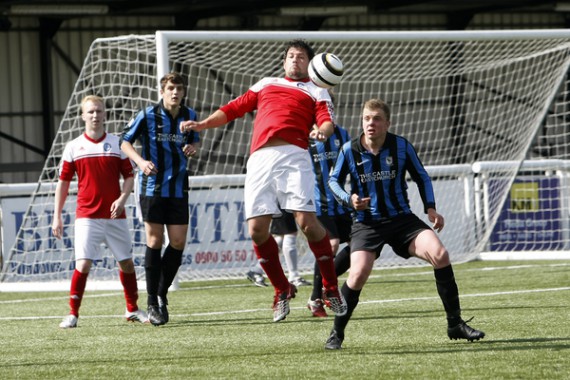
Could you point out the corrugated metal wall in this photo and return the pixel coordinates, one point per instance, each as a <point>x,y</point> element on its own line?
<point>26,129</point>
<point>22,122</point>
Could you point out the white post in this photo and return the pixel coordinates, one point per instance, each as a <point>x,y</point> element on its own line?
<point>161,56</point>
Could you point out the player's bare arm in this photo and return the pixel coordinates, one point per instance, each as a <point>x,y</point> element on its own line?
<point>118,205</point>
<point>147,167</point>
<point>61,192</point>
<point>436,219</point>
<point>215,120</point>
<point>323,132</point>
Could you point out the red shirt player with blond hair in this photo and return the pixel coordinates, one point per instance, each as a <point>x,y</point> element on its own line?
<point>96,158</point>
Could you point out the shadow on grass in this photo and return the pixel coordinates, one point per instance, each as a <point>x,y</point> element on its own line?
<point>402,281</point>
<point>349,349</point>
<point>454,347</point>
<point>216,322</point>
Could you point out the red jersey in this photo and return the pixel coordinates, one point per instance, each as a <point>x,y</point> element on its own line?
<point>286,109</point>
<point>99,166</point>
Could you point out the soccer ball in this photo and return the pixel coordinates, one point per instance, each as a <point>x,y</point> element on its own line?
<point>325,70</point>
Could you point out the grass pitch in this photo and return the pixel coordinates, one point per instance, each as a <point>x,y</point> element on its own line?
<point>224,330</point>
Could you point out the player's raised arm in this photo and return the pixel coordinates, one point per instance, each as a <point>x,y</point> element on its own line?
<point>323,132</point>
<point>215,120</point>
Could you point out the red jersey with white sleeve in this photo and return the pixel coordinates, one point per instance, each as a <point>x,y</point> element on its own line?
<point>99,165</point>
<point>286,109</point>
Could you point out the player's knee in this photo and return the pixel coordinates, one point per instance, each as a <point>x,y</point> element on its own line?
<point>440,258</point>
<point>178,243</point>
<point>334,245</point>
<point>258,229</point>
<point>359,274</point>
<point>313,231</point>
<point>83,265</point>
<point>154,242</point>
<point>357,279</point>
<point>127,266</point>
<point>258,236</point>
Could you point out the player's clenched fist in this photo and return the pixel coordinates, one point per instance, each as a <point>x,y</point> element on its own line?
<point>191,125</point>
<point>360,203</point>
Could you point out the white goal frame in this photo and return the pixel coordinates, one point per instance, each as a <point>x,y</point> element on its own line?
<point>153,51</point>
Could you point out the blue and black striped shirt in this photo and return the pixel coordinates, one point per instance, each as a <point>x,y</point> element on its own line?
<point>162,143</point>
<point>324,154</point>
<point>381,177</point>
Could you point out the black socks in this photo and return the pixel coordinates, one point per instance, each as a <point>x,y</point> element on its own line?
<point>351,297</point>
<point>171,261</point>
<point>449,294</point>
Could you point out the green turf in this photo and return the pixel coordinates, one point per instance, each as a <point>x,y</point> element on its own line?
<point>224,330</point>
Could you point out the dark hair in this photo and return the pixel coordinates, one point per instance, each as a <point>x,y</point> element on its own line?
<point>299,44</point>
<point>174,78</point>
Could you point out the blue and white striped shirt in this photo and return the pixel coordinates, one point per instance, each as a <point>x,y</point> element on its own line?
<point>323,155</point>
<point>162,143</point>
<point>381,177</point>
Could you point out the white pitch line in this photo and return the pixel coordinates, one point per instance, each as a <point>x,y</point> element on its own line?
<point>384,274</point>
<point>246,311</point>
<point>66,297</point>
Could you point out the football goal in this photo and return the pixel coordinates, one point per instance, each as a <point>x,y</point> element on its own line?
<point>475,104</point>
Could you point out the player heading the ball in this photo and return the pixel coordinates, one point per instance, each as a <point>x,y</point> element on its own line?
<point>279,170</point>
<point>326,70</point>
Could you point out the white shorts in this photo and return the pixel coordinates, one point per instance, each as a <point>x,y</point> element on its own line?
<point>279,176</point>
<point>90,233</point>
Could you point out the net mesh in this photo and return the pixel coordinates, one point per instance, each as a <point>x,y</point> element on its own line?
<point>459,101</point>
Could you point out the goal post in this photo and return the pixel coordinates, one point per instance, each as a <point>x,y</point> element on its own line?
<point>459,97</point>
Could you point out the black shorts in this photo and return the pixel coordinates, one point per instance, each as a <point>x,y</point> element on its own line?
<point>338,226</point>
<point>167,211</point>
<point>284,224</point>
<point>397,232</point>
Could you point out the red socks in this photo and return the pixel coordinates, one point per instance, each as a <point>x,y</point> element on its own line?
<point>325,259</point>
<point>268,255</point>
<point>130,287</point>
<point>78,281</point>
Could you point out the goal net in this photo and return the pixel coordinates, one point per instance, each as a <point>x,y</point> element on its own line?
<point>474,104</point>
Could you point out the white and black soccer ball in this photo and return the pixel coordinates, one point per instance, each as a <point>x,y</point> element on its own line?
<point>326,70</point>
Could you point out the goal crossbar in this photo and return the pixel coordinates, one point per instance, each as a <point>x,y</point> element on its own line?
<point>459,97</point>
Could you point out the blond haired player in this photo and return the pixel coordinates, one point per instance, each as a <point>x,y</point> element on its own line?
<point>377,162</point>
<point>96,158</point>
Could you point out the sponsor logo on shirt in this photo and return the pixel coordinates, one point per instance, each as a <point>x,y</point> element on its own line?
<point>377,176</point>
<point>325,156</point>
<point>169,137</point>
